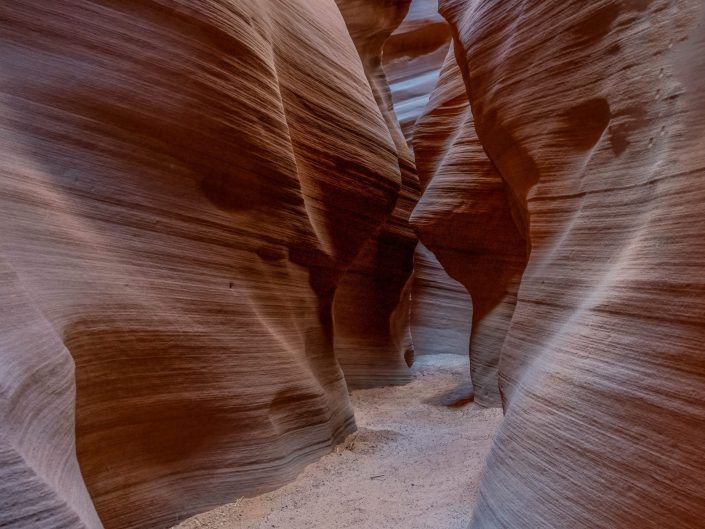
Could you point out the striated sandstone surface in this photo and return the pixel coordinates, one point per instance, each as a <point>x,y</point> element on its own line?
<point>441,312</point>
<point>592,113</point>
<point>413,56</point>
<point>183,185</point>
<point>465,218</point>
<point>372,303</point>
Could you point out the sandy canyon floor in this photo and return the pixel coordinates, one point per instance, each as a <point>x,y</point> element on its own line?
<point>414,463</point>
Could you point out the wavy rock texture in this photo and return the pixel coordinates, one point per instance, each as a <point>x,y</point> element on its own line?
<point>465,218</point>
<point>373,303</point>
<point>593,115</point>
<point>441,312</point>
<point>413,56</point>
<point>183,184</point>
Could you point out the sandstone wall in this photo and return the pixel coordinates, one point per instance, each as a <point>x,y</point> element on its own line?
<point>413,57</point>
<point>183,186</point>
<point>372,304</point>
<point>465,218</point>
<point>591,113</point>
<point>441,313</point>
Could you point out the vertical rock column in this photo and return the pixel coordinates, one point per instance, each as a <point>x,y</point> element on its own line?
<point>372,303</point>
<point>465,217</point>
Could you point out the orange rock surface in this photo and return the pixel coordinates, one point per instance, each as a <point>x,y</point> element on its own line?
<point>206,239</point>
<point>441,313</point>
<point>465,218</point>
<point>412,59</point>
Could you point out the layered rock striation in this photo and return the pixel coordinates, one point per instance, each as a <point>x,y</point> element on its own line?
<point>465,218</point>
<point>373,303</point>
<point>412,58</point>
<point>441,312</point>
<point>591,115</point>
<point>183,187</point>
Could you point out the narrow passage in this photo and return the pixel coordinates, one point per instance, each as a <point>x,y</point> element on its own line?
<point>414,463</point>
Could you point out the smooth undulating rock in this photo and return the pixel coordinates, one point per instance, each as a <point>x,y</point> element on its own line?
<point>182,186</point>
<point>372,302</point>
<point>441,312</point>
<point>413,56</point>
<point>592,112</point>
<point>412,59</point>
<point>40,481</point>
<point>465,218</point>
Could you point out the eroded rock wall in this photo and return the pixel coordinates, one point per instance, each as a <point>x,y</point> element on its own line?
<point>413,56</point>
<point>373,303</point>
<point>465,218</point>
<point>183,185</point>
<point>591,113</point>
<point>441,313</point>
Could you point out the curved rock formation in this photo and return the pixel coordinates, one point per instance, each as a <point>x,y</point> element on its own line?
<point>592,114</point>
<point>441,312</point>
<point>413,56</point>
<point>372,303</point>
<point>465,218</point>
<point>183,185</point>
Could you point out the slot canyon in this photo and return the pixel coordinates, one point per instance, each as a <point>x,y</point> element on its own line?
<point>372,264</point>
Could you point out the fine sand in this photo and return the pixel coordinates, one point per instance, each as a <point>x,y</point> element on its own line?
<point>414,463</point>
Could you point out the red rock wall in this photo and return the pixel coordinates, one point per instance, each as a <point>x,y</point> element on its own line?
<point>413,56</point>
<point>183,186</point>
<point>591,113</point>
<point>372,303</point>
<point>441,313</point>
<point>465,218</point>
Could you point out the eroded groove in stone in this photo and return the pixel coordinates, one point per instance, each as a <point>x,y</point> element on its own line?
<point>441,312</point>
<point>413,57</point>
